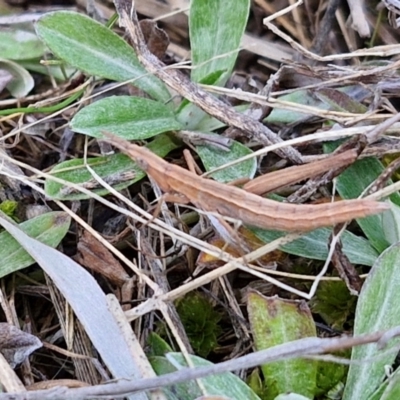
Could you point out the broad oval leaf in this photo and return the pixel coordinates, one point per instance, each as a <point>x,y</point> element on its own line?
<point>276,321</point>
<point>96,50</point>
<point>49,228</point>
<point>118,170</point>
<point>314,245</point>
<point>350,184</point>
<point>157,346</point>
<point>132,118</point>
<point>216,30</point>
<point>377,310</point>
<point>19,44</point>
<point>226,384</point>
<point>213,158</point>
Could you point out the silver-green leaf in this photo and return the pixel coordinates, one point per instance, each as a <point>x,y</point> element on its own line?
<point>216,29</point>
<point>132,118</point>
<point>213,158</point>
<point>96,50</point>
<point>20,44</point>
<point>49,228</point>
<point>377,310</point>
<point>314,245</point>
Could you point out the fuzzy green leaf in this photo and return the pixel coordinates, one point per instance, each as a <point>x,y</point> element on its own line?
<point>213,158</point>
<point>215,30</point>
<point>157,345</point>
<point>111,168</point>
<point>276,321</point>
<point>22,82</point>
<point>324,99</point>
<point>377,310</point>
<point>132,118</point>
<point>314,245</point>
<point>19,44</point>
<point>351,183</point>
<point>226,384</point>
<point>96,50</point>
<point>48,228</point>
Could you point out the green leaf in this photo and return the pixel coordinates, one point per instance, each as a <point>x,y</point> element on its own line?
<point>302,97</point>
<point>225,384</point>
<point>391,224</point>
<point>157,345</point>
<point>19,44</point>
<point>216,29</point>
<point>323,99</point>
<point>110,168</point>
<point>351,183</point>
<point>276,321</point>
<point>94,49</point>
<point>314,245</point>
<point>22,82</point>
<point>213,158</point>
<point>182,391</point>
<point>256,383</point>
<point>195,119</point>
<point>49,228</point>
<point>377,310</point>
<point>379,392</point>
<point>132,118</point>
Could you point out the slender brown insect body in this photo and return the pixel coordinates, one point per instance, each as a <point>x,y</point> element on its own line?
<point>233,202</point>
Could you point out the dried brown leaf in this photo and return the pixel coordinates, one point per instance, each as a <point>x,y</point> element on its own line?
<point>16,345</point>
